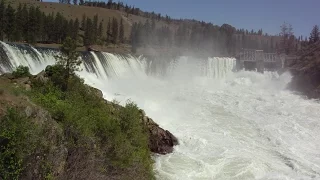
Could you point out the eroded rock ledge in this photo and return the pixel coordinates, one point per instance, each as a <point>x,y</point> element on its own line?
<point>160,141</point>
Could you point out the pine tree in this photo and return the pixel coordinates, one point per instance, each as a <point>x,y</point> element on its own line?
<point>109,4</point>
<point>20,19</point>
<point>35,29</point>
<point>75,2</point>
<point>25,15</point>
<point>83,22</point>
<point>100,31</point>
<point>10,23</point>
<point>2,19</point>
<point>49,27</point>
<point>69,59</point>
<point>70,29</point>
<point>88,35</point>
<point>39,29</point>
<point>121,32</point>
<point>126,8</point>
<point>115,31</point>
<point>286,44</point>
<point>314,35</point>
<point>95,29</point>
<point>109,31</point>
<point>134,37</point>
<point>75,30</point>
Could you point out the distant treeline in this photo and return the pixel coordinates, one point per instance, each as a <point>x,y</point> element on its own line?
<point>31,25</point>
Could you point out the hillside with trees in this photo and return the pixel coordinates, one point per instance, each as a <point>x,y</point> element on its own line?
<point>306,68</point>
<point>124,26</point>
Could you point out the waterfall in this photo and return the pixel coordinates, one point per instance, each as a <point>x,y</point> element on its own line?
<point>106,65</point>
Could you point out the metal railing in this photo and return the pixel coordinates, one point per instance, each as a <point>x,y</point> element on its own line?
<point>258,55</point>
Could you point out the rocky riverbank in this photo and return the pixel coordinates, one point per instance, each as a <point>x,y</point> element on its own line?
<point>62,148</point>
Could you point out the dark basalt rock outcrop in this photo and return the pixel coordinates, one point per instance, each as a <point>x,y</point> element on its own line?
<point>160,141</point>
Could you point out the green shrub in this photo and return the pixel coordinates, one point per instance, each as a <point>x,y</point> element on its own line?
<point>117,130</point>
<point>16,142</point>
<point>57,74</point>
<point>21,71</point>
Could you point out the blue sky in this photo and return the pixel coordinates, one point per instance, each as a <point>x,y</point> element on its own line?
<point>248,14</point>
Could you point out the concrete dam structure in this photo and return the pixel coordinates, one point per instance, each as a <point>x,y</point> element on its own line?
<point>251,59</point>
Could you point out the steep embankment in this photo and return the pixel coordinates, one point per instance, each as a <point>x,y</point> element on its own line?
<point>48,133</point>
<point>306,71</point>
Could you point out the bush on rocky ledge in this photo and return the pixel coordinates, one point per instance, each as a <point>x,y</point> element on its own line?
<point>21,71</point>
<point>97,139</point>
<point>73,133</point>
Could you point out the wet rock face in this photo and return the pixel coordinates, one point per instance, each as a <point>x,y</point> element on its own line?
<point>306,83</point>
<point>160,141</point>
<point>42,77</point>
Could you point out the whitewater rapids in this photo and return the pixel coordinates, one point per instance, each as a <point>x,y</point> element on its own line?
<point>242,125</point>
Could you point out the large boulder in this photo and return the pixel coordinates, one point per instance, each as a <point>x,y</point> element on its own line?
<point>42,77</point>
<point>160,141</point>
<point>95,91</point>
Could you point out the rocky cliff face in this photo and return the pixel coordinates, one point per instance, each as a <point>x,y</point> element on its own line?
<point>306,72</point>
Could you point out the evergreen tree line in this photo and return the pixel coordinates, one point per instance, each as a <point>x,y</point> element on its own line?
<point>314,35</point>
<point>31,25</point>
<point>93,31</point>
<point>118,6</point>
<point>115,31</point>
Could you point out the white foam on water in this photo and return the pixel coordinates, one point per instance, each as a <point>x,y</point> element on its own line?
<point>242,125</point>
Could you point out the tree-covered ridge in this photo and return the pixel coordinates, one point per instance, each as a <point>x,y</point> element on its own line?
<point>129,25</point>
<point>31,25</point>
